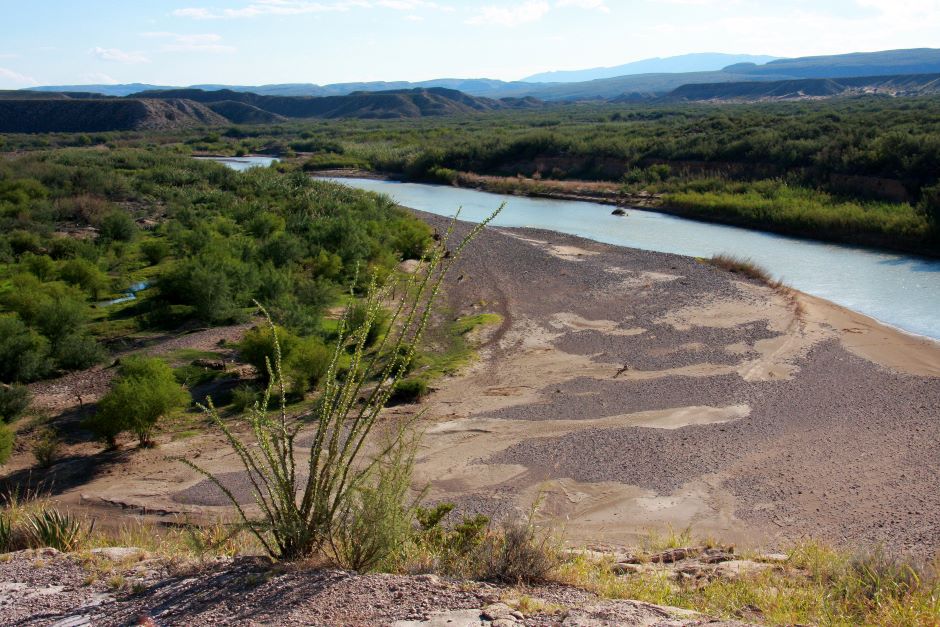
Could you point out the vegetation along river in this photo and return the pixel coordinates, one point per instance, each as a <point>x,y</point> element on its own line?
<point>900,290</point>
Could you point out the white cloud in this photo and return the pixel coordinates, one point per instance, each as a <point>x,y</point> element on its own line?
<point>530,11</point>
<point>201,42</point>
<point>9,78</point>
<point>302,7</point>
<point>119,56</point>
<point>594,5</point>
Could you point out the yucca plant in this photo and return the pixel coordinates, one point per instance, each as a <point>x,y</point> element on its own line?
<point>55,529</point>
<point>299,510</point>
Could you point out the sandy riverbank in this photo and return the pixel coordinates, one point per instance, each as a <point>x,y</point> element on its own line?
<point>632,390</point>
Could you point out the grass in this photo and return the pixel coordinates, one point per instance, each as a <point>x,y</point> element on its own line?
<point>458,350</point>
<point>817,585</point>
<point>743,266</point>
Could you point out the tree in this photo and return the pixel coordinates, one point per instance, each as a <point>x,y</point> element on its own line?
<point>930,205</point>
<point>24,354</point>
<point>85,275</point>
<point>117,226</point>
<point>144,392</point>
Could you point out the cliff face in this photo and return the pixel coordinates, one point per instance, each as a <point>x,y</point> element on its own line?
<point>93,115</point>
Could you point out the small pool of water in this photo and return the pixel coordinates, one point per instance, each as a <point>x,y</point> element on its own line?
<point>243,163</point>
<point>130,294</point>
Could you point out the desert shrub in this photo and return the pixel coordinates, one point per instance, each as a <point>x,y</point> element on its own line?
<point>376,521</point>
<point>519,554</point>
<point>46,448</point>
<point>260,346</point>
<point>448,549</point>
<point>14,399</point>
<point>6,442</point>
<point>24,354</point>
<point>145,391</point>
<point>357,317</point>
<point>307,363</point>
<point>60,314</point>
<point>155,250</point>
<point>408,391</point>
<point>243,397</point>
<point>78,351</point>
<point>55,529</point>
<point>86,275</point>
<point>6,533</point>
<point>40,266</point>
<point>117,226</point>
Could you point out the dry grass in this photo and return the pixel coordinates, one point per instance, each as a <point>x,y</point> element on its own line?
<point>817,585</point>
<point>745,267</point>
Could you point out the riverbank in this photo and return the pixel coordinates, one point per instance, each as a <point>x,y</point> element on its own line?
<point>615,194</point>
<point>631,390</point>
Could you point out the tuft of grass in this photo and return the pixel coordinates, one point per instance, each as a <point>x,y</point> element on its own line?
<point>743,266</point>
<point>520,553</point>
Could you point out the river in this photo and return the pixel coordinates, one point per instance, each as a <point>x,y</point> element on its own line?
<point>900,290</point>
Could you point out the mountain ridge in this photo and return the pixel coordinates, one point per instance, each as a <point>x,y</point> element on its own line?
<point>695,62</point>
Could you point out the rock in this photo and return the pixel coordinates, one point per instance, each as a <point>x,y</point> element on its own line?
<point>774,558</point>
<point>626,568</point>
<point>409,266</point>
<point>429,578</point>
<point>618,212</point>
<point>739,569</point>
<point>119,553</point>
<point>716,555</point>
<point>673,555</point>
<point>496,611</point>
<point>504,622</point>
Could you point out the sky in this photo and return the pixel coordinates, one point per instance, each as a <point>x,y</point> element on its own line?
<point>254,42</point>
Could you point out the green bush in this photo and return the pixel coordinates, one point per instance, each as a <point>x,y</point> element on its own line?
<point>258,347</point>
<point>78,351</point>
<point>14,399</point>
<point>46,448</point>
<point>243,397</point>
<point>307,363</point>
<point>117,226</point>
<point>6,442</point>
<point>145,391</point>
<point>155,250</point>
<point>24,354</point>
<point>408,391</point>
<point>86,275</point>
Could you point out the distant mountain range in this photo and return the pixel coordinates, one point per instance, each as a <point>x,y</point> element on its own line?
<point>698,62</point>
<point>180,108</point>
<point>638,82</point>
<point>90,108</point>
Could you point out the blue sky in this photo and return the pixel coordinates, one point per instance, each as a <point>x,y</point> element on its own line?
<point>186,42</point>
